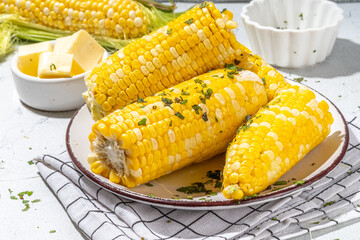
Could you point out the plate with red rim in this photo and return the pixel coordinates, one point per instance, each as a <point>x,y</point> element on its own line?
<point>163,191</point>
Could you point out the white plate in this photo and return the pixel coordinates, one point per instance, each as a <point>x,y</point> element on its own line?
<point>325,156</point>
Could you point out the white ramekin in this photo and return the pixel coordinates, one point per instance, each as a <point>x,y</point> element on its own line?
<point>49,94</point>
<point>292,33</point>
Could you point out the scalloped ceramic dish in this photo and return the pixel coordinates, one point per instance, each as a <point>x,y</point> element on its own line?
<point>163,190</point>
<point>292,33</point>
<point>50,94</point>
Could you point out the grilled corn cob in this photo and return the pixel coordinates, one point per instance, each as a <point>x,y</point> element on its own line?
<point>274,140</point>
<point>196,42</point>
<point>113,18</point>
<point>190,122</point>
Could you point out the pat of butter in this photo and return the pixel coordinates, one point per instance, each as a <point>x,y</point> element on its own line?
<point>87,52</point>
<point>55,65</point>
<point>28,57</point>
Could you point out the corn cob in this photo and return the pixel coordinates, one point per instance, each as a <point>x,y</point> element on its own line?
<point>191,122</point>
<point>113,18</point>
<point>274,140</point>
<point>196,42</point>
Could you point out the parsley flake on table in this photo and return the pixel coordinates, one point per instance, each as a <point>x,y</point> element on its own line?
<point>329,203</point>
<point>52,231</point>
<point>31,162</point>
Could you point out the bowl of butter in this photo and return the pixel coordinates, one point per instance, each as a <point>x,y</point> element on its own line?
<point>49,76</point>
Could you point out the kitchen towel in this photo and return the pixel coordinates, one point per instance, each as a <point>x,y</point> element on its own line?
<point>103,215</point>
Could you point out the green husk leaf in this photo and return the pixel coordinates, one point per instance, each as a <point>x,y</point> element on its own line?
<point>7,41</point>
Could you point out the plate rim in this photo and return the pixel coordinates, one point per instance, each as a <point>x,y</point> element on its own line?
<point>166,202</point>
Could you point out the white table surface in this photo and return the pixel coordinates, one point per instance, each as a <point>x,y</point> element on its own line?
<point>27,133</point>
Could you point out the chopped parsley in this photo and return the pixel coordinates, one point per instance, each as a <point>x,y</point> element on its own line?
<point>13,198</point>
<point>189,21</point>
<point>170,124</point>
<point>35,201</point>
<point>179,115</point>
<point>203,100</point>
<point>300,182</point>
<point>315,222</point>
<point>299,80</point>
<point>275,219</point>
<point>161,94</point>
<point>301,16</point>
<point>169,31</point>
<point>230,66</point>
<point>52,231</point>
<point>141,100</point>
<point>205,117</point>
<point>222,11</point>
<point>151,195</point>
<point>185,93</point>
<point>189,197</point>
<point>167,101</point>
<point>214,75</point>
<point>263,80</point>
<point>183,101</point>
<point>142,122</point>
<point>148,184</point>
<point>52,66</point>
<point>198,81</point>
<point>27,206</point>
<point>329,203</point>
<point>314,51</point>
<point>196,108</point>
<point>204,85</point>
<point>31,162</point>
<point>208,93</point>
<point>278,183</point>
<point>230,76</point>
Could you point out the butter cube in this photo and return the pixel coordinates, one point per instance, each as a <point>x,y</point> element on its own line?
<point>28,57</point>
<point>55,65</point>
<point>87,52</point>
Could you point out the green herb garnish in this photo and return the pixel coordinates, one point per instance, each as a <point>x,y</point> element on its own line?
<point>169,31</point>
<point>151,195</point>
<point>52,66</point>
<point>167,101</point>
<point>141,100</point>
<point>52,231</point>
<point>196,108</point>
<point>205,117</point>
<point>299,80</point>
<point>31,162</point>
<point>142,122</point>
<point>179,115</point>
<point>329,203</point>
<point>189,21</point>
<point>278,183</point>
<point>148,184</point>
<point>300,182</point>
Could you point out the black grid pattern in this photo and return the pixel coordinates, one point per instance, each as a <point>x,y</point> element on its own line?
<point>103,215</point>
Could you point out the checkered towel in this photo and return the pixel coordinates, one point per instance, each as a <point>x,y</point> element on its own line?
<point>103,215</point>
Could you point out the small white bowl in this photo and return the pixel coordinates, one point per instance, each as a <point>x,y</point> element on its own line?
<point>292,33</point>
<point>50,94</point>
